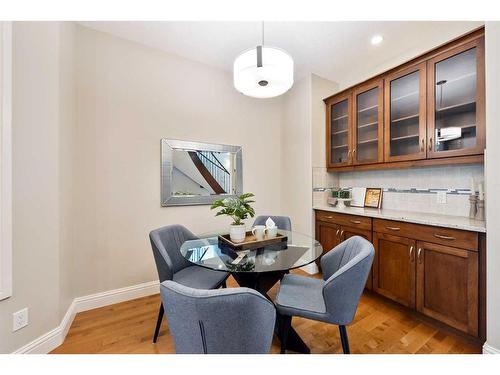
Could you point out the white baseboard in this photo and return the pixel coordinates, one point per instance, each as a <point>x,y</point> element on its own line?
<point>487,349</point>
<point>52,339</point>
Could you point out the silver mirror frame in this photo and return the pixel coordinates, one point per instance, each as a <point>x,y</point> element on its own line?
<point>167,148</point>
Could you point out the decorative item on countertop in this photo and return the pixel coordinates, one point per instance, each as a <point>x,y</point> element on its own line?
<point>344,196</point>
<point>373,197</point>
<point>332,201</point>
<point>358,197</point>
<point>238,208</point>
<point>472,199</point>
<point>480,203</point>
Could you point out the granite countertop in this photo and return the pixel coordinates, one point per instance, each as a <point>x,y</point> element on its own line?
<point>437,220</point>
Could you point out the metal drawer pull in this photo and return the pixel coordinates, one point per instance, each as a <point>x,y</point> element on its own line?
<point>449,238</point>
<point>411,253</point>
<point>355,221</point>
<point>329,217</point>
<point>418,255</point>
<point>393,228</point>
<point>342,234</point>
<point>337,233</point>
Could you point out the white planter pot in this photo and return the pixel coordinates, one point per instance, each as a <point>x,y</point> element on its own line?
<point>237,232</point>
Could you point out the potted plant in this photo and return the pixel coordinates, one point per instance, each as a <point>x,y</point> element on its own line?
<point>238,208</point>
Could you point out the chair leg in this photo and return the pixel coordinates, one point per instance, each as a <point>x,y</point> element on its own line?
<point>158,323</point>
<point>224,285</point>
<point>344,339</point>
<point>286,323</point>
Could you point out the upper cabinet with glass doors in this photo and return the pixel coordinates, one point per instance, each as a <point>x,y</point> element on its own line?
<point>428,111</point>
<point>455,123</point>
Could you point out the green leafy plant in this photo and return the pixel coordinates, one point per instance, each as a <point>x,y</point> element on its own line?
<point>344,194</point>
<point>238,207</point>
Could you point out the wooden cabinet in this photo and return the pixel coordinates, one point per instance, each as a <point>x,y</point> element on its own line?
<point>328,235</point>
<point>447,285</point>
<point>405,122</point>
<point>432,270</point>
<point>339,131</point>
<point>368,125</point>
<point>455,123</point>
<point>394,268</point>
<point>348,232</point>
<point>428,111</point>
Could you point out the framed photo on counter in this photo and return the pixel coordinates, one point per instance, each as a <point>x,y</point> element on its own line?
<point>373,197</point>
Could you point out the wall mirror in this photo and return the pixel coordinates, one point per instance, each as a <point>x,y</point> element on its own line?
<point>199,173</point>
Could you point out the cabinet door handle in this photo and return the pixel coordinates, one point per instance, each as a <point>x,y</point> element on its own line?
<point>337,233</point>
<point>411,254</point>
<point>329,217</point>
<point>341,234</point>
<point>393,228</point>
<point>430,144</point>
<point>418,255</point>
<point>423,145</point>
<point>449,238</point>
<point>355,221</point>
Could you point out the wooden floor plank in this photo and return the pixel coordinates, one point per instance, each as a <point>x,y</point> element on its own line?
<point>379,326</point>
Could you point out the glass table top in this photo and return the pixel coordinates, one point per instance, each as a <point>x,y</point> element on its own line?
<point>299,250</point>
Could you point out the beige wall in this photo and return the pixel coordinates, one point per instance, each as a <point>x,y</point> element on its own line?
<point>493,183</point>
<point>129,97</point>
<point>35,148</point>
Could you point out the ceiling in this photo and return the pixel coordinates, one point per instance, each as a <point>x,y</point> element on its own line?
<point>338,51</point>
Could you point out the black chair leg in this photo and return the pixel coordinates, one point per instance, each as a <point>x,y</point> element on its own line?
<point>344,339</point>
<point>158,323</point>
<point>224,285</point>
<point>286,323</point>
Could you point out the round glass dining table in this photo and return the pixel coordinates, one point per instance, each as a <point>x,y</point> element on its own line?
<point>257,268</point>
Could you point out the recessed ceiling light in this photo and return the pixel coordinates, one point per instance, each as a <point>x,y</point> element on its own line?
<point>377,39</point>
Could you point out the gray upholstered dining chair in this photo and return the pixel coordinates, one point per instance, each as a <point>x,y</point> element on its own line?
<point>223,321</point>
<point>171,265</point>
<point>333,299</point>
<point>282,222</point>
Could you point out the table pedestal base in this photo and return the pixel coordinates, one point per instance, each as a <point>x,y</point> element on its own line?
<point>262,282</point>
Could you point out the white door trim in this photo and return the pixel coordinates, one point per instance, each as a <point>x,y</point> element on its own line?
<point>5,159</point>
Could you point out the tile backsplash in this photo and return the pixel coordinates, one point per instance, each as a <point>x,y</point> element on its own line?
<point>446,177</point>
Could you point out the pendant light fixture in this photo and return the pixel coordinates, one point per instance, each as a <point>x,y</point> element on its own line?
<point>263,72</point>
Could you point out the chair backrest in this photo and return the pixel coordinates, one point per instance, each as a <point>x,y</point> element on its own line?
<point>345,271</point>
<point>282,222</point>
<point>220,321</point>
<point>166,243</point>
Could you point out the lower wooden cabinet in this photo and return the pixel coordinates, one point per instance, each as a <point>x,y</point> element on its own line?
<point>433,270</point>
<point>348,232</point>
<point>394,268</point>
<point>447,285</point>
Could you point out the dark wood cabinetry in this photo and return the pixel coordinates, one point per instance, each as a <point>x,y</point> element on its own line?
<point>394,268</point>
<point>428,111</point>
<point>432,270</point>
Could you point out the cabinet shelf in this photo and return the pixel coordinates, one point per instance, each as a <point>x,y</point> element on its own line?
<point>339,118</point>
<point>405,137</point>
<point>405,118</point>
<point>456,107</point>
<point>368,125</point>
<point>410,94</point>
<point>368,108</point>
<point>340,132</point>
<point>340,146</point>
<point>368,141</point>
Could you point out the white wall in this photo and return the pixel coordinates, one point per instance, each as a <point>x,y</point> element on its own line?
<point>129,97</point>
<point>36,183</point>
<point>493,183</point>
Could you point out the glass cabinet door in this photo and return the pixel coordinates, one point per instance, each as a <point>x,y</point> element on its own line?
<point>339,152</point>
<point>368,120</point>
<point>455,125</point>
<point>405,105</point>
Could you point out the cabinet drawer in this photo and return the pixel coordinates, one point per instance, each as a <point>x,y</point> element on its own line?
<point>443,236</point>
<point>352,221</point>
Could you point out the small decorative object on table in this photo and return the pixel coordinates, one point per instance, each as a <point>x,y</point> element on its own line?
<point>373,197</point>
<point>238,208</point>
<point>343,197</point>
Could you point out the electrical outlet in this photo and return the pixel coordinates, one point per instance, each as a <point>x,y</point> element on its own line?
<point>20,319</point>
<point>441,197</point>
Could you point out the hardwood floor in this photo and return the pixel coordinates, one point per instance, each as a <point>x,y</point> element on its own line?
<point>380,326</point>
